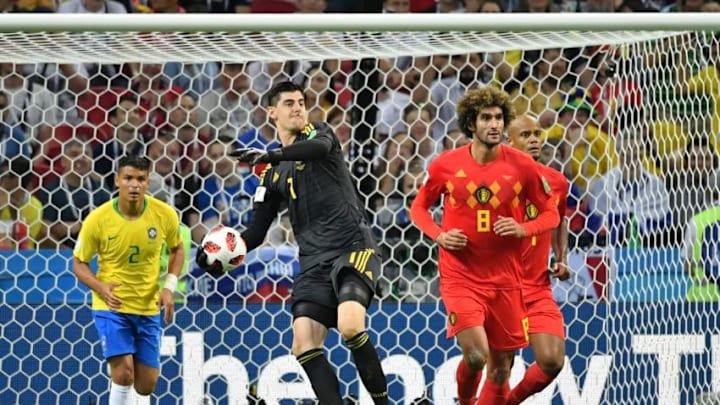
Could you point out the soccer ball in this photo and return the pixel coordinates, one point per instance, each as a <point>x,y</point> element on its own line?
<point>224,247</point>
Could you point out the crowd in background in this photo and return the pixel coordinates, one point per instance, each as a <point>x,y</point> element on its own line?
<point>348,6</point>
<point>633,128</point>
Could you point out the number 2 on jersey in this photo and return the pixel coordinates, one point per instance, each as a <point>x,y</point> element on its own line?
<point>483,220</point>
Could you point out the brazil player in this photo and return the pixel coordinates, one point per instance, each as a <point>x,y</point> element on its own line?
<point>338,254</point>
<point>484,186</point>
<point>127,234</point>
<point>547,330</point>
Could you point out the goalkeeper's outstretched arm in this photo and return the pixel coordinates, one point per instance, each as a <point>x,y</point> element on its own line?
<point>265,210</point>
<point>316,148</point>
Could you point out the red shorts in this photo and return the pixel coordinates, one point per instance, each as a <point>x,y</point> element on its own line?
<point>500,312</point>
<point>543,312</point>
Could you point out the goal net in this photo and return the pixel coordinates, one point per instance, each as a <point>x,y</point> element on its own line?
<point>630,117</point>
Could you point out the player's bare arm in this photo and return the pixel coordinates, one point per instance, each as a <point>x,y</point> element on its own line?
<point>175,263</point>
<point>104,290</point>
<point>560,269</point>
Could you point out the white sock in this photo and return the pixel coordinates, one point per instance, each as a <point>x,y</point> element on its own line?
<point>119,394</point>
<point>139,399</point>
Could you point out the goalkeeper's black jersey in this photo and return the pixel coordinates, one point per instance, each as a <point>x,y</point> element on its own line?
<point>324,207</point>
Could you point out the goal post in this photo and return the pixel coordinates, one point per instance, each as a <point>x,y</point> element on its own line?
<point>628,106</point>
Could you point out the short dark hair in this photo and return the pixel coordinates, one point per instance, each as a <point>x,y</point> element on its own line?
<point>283,87</point>
<point>475,100</point>
<point>134,161</point>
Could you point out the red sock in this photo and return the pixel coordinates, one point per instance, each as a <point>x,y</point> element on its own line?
<point>467,383</point>
<point>493,393</point>
<point>534,381</point>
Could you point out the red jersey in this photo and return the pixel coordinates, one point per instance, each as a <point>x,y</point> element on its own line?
<point>474,195</point>
<point>536,249</point>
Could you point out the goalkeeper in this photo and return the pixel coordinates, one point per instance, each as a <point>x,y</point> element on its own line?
<point>338,254</point>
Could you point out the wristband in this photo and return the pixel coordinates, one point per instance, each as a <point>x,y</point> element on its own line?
<point>171,282</point>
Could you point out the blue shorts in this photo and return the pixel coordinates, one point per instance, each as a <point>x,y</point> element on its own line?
<point>122,334</point>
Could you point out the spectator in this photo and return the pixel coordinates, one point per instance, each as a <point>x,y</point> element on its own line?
<point>585,227</point>
<point>710,7</point>
<point>126,119</point>
<point>411,273</point>
<point>543,91</point>
<point>167,6</point>
<point>272,6</point>
<point>182,112</point>
<point>225,108</point>
<point>634,203</point>
<point>391,100</point>
<point>66,82</point>
<point>24,6</point>
<point>194,78</point>
<point>226,192</point>
<point>92,6</point>
<point>341,123</point>
<point>319,96</point>
<point>466,74</point>
<point>534,6</point>
<point>21,220</point>
<point>396,6</point>
<point>454,139</point>
<point>153,90</point>
<point>398,152</point>
<point>419,123</point>
<point>31,105</point>
<point>183,120</point>
<point>483,6</point>
<point>684,6</point>
<point>13,141</point>
<point>704,84</point>
<point>261,134</point>
<point>166,183</point>
<point>692,181</point>
<point>449,6</point>
<point>264,74</point>
<point>310,6</point>
<point>702,235</point>
<point>69,199</point>
<point>590,151</point>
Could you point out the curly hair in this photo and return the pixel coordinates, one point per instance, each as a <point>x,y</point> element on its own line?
<point>475,100</point>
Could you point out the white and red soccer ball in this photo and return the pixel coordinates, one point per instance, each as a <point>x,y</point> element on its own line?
<point>224,247</point>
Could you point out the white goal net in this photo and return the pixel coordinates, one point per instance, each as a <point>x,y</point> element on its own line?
<point>630,117</point>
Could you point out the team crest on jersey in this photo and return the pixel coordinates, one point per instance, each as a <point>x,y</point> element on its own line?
<point>452,318</point>
<point>299,166</point>
<point>152,232</point>
<point>531,211</point>
<point>483,194</point>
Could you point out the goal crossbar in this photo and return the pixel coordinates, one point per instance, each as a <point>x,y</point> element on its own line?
<point>113,38</point>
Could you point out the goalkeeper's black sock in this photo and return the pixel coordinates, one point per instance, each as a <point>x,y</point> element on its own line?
<point>322,377</point>
<point>368,366</point>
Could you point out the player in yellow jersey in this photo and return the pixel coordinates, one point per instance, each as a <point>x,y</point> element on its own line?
<point>127,234</point>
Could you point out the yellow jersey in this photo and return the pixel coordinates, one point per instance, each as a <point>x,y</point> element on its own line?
<point>592,157</point>
<point>129,252</point>
<point>31,215</point>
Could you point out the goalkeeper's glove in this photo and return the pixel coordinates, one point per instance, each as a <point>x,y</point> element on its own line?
<point>255,156</point>
<point>201,259</point>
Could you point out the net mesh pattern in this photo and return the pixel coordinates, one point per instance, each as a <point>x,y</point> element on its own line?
<point>630,118</point>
